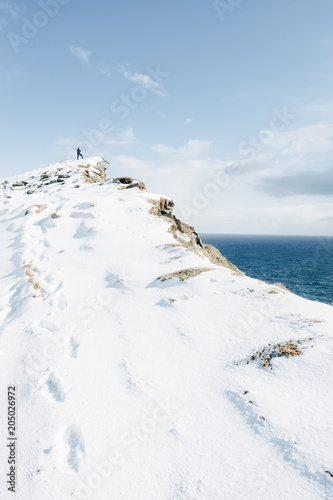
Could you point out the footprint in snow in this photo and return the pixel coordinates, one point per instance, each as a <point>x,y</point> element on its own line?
<point>55,389</point>
<point>84,206</point>
<point>64,343</point>
<point>74,445</point>
<point>86,247</point>
<point>46,223</point>
<point>74,347</point>
<point>51,284</point>
<point>59,302</point>
<point>166,302</point>
<point>114,281</point>
<point>83,231</point>
<point>81,215</point>
<point>131,384</point>
<point>188,490</point>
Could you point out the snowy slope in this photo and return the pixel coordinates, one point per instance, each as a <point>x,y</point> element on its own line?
<point>131,387</point>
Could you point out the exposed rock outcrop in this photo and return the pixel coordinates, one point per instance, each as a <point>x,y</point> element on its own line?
<point>129,182</point>
<point>185,274</point>
<point>281,285</point>
<point>216,257</point>
<point>40,208</point>
<point>186,235</point>
<point>92,174</point>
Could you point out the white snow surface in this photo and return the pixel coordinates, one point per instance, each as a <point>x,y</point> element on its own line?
<point>131,388</point>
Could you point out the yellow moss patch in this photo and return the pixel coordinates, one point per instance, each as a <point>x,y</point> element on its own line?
<point>40,208</point>
<point>29,271</point>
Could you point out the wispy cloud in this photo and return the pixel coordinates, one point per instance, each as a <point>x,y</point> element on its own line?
<point>81,54</point>
<point>289,151</point>
<point>163,149</point>
<point>128,164</point>
<point>189,120</point>
<point>126,137</point>
<point>104,69</point>
<point>145,81</point>
<point>192,149</point>
<point>7,8</point>
<point>2,24</point>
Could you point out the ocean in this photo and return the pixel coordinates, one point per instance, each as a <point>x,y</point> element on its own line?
<point>304,264</point>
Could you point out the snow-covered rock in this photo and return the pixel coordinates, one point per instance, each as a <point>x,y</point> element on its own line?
<point>145,365</point>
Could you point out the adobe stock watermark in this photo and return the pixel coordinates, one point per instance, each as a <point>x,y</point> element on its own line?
<point>249,149</point>
<point>226,7</point>
<point>66,338</point>
<point>279,121</point>
<point>255,318</point>
<point>129,442</point>
<point>121,108</point>
<point>31,27</point>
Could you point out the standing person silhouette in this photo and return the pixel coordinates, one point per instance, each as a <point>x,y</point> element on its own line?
<point>78,153</point>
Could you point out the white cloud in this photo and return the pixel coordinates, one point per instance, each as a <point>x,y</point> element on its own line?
<point>145,81</point>
<point>192,149</point>
<point>125,137</point>
<point>163,149</point>
<point>127,164</point>
<point>221,215</point>
<point>314,139</point>
<point>82,54</point>
<point>189,120</point>
<point>287,152</point>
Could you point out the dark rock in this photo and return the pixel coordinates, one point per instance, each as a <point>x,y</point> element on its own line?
<point>19,184</point>
<point>162,207</point>
<point>129,182</point>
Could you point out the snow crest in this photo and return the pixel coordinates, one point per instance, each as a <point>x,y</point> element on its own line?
<point>140,362</point>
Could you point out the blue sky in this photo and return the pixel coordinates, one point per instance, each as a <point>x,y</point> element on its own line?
<point>225,106</point>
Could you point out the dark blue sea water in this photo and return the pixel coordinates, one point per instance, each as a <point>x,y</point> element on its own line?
<point>304,264</point>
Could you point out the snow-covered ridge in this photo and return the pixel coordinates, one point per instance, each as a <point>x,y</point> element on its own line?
<point>93,168</point>
<point>146,366</point>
